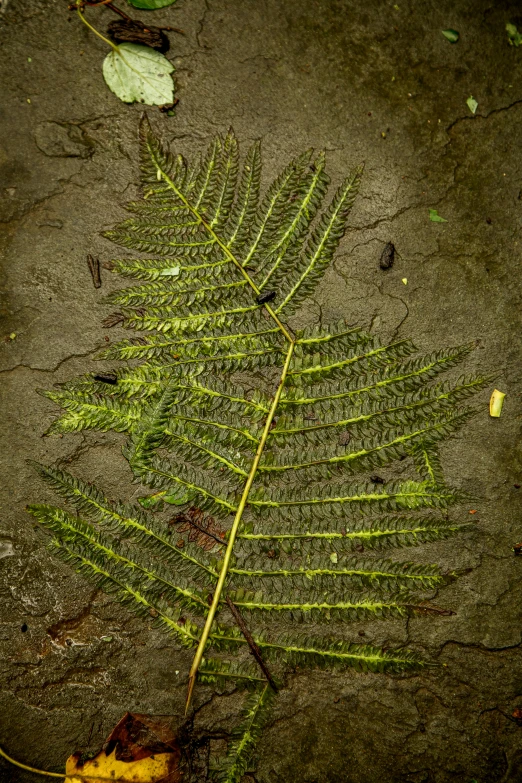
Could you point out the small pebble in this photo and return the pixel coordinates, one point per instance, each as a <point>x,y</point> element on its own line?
<point>387,256</point>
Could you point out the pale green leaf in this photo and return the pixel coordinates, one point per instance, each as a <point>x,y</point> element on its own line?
<point>514,37</point>
<point>452,35</point>
<point>151,500</point>
<point>139,74</point>
<point>435,217</point>
<point>472,104</point>
<point>175,500</point>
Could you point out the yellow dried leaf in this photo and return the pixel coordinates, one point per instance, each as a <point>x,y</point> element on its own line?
<point>495,404</point>
<point>140,749</point>
<point>103,768</point>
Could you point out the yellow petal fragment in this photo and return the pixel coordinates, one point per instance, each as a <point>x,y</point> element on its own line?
<point>405,280</point>
<point>495,404</point>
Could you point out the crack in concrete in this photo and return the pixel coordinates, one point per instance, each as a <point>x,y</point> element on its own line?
<point>201,25</point>
<point>493,112</point>
<point>54,369</point>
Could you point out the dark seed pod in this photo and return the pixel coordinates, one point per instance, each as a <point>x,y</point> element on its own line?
<point>387,256</point>
<point>134,31</point>
<point>111,379</point>
<point>269,296</point>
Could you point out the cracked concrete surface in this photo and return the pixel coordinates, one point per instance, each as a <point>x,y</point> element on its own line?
<point>368,81</point>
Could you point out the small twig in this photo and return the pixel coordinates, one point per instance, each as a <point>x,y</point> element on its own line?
<point>116,10</point>
<point>94,268</point>
<point>79,9</point>
<point>108,4</point>
<point>173,30</point>
<point>254,649</point>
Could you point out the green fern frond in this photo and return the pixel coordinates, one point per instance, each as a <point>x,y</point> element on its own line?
<point>318,609</point>
<point>86,411</point>
<point>302,651</point>
<point>380,533</point>
<point>255,715</point>
<point>128,523</point>
<point>284,461</point>
<point>117,559</point>
<point>322,571</point>
<point>221,673</point>
<point>321,246</point>
<point>326,501</point>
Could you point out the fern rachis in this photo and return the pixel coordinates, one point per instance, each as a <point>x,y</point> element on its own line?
<point>268,465</point>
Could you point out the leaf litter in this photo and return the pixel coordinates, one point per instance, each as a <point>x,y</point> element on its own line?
<point>514,37</point>
<point>451,35</point>
<point>472,104</point>
<point>495,404</point>
<point>136,73</point>
<point>140,749</point>
<point>435,217</point>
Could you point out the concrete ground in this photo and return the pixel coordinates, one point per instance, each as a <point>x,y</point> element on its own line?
<point>369,81</point>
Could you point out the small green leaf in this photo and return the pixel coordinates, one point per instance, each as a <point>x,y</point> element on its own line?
<point>177,500</point>
<point>171,271</point>
<point>333,557</point>
<point>472,104</point>
<point>435,217</point>
<point>138,73</point>
<point>452,35</point>
<point>150,5</point>
<point>106,638</point>
<point>151,500</point>
<point>514,37</point>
